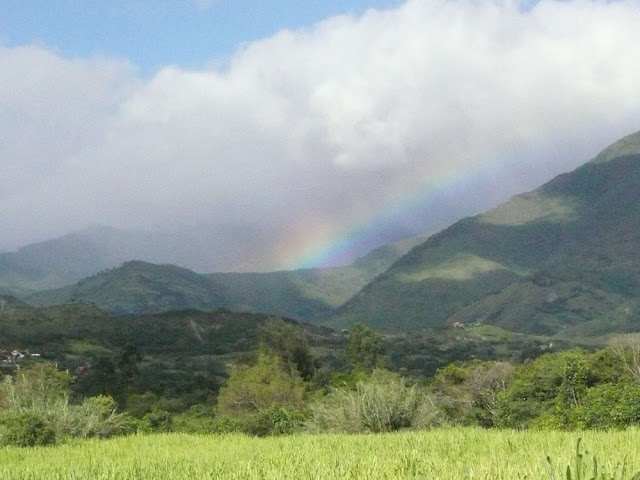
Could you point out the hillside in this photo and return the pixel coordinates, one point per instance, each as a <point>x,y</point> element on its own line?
<point>62,261</point>
<point>307,294</point>
<point>561,259</point>
<point>174,358</point>
<point>65,260</point>
<point>178,347</point>
<point>140,287</point>
<point>9,303</point>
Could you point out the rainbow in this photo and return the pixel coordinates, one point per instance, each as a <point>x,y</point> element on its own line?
<point>328,246</point>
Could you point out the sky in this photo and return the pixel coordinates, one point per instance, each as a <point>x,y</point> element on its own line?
<point>300,133</point>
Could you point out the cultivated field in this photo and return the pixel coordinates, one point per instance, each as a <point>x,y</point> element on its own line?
<point>445,454</point>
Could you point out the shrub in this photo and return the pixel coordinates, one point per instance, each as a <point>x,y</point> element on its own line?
<point>26,429</point>
<point>383,403</point>
<point>157,421</point>
<point>276,420</point>
<point>251,390</point>
<point>609,406</point>
<point>94,417</point>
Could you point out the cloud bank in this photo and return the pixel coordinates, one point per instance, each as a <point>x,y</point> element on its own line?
<point>387,124</point>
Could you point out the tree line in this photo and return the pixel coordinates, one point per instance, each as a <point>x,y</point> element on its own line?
<point>284,388</point>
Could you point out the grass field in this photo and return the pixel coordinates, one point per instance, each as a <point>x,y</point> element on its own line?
<point>446,454</point>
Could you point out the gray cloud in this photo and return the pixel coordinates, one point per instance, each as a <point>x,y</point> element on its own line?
<point>309,133</point>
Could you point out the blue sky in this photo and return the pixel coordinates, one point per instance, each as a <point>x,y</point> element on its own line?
<point>318,142</point>
<point>154,33</point>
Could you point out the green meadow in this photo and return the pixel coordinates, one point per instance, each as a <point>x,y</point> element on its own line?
<point>457,453</point>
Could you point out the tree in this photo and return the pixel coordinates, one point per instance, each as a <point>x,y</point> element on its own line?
<point>572,389</point>
<point>289,342</point>
<point>609,406</point>
<point>254,396</point>
<point>533,392</point>
<point>628,349</point>
<point>468,393</point>
<point>365,351</point>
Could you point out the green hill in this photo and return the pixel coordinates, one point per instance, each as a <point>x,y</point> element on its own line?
<point>559,260</point>
<point>307,294</point>
<point>178,347</point>
<point>173,359</point>
<point>9,303</point>
<point>140,287</point>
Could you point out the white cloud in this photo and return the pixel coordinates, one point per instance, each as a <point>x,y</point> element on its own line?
<point>319,128</point>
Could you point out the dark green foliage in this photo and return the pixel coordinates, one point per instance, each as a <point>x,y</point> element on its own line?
<point>178,356</point>
<point>157,421</point>
<point>571,390</point>
<point>534,391</point>
<point>202,419</point>
<point>276,420</point>
<point>26,429</point>
<point>365,351</point>
<point>289,342</point>
<point>608,406</point>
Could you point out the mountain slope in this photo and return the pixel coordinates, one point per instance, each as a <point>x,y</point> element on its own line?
<point>308,294</point>
<point>138,287</point>
<point>560,259</point>
<point>67,259</point>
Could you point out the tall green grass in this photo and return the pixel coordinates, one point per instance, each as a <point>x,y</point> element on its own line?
<point>446,454</point>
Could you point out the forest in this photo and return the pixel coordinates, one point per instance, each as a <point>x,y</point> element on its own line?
<point>284,385</point>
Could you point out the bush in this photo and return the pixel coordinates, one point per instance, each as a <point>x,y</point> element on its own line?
<point>609,406</point>
<point>157,421</point>
<point>199,419</point>
<point>276,420</point>
<point>95,417</point>
<point>383,403</point>
<point>26,429</point>
<point>251,390</point>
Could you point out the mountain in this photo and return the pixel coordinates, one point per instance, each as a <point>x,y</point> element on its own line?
<point>138,287</point>
<point>9,303</point>
<point>562,259</point>
<point>308,294</point>
<point>67,259</point>
<point>141,287</point>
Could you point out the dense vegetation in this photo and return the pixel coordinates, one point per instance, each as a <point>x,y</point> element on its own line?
<point>222,372</point>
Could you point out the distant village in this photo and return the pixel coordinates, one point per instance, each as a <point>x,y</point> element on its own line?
<point>13,357</point>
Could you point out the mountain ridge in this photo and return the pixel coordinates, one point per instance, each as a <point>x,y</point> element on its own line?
<point>143,287</point>
<point>557,259</point>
